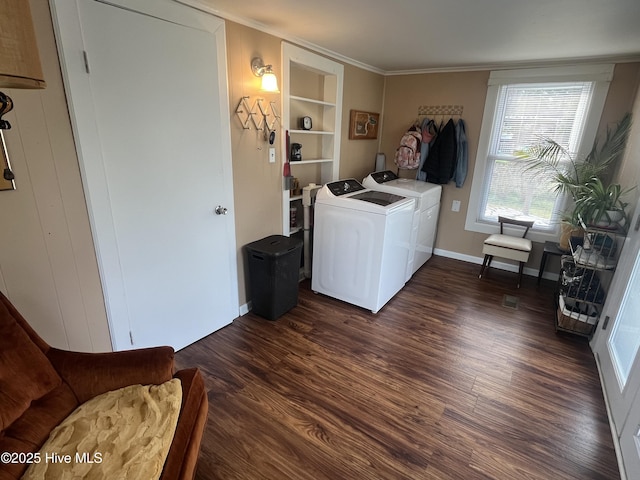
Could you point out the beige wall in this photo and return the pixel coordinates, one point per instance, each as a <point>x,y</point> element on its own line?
<point>628,174</point>
<point>363,90</point>
<point>257,183</point>
<point>48,267</point>
<point>403,96</point>
<point>405,93</point>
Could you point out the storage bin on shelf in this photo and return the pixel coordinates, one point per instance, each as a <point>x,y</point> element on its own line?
<point>584,276</point>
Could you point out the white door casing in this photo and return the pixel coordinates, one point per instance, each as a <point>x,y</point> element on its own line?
<point>148,102</point>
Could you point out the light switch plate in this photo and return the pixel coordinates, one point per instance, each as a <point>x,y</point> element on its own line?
<point>272,155</point>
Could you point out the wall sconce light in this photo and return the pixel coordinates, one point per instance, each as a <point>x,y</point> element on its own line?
<point>269,80</point>
<point>19,66</point>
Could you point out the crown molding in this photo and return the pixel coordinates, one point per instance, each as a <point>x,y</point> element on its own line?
<point>517,65</point>
<point>202,5</point>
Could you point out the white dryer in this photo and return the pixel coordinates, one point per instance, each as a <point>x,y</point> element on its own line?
<point>360,243</point>
<point>425,220</point>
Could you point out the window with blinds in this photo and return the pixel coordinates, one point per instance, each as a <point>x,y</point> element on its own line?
<point>525,113</point>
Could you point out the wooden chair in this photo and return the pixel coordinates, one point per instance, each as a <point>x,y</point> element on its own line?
<point>507,246</point>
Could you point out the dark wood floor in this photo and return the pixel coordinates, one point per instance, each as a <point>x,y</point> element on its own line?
<point>443,383</point>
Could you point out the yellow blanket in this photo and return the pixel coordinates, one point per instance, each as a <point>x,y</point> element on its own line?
<point>123,434</point>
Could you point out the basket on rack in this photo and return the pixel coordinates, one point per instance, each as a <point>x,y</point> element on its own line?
<point>576,316</point>
<point>567,322</point>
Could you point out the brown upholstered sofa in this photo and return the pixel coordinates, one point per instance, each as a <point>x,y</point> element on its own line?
<point>40,386</point>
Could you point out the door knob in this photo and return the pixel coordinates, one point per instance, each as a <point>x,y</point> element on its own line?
<point>220,210</point>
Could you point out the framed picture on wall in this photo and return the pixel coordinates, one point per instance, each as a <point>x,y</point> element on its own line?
<point>363,125</point>
<point>6,176</point>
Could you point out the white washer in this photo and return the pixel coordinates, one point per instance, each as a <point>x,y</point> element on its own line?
<point>360,243</point>
<point>425,221</point>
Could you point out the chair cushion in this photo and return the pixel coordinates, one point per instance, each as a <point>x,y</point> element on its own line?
<point>25,372</point>
<point>508,241</point>
<point>126,432</point>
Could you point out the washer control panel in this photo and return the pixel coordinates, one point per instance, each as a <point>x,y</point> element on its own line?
<point>342,187</point>
<point>384,176</point>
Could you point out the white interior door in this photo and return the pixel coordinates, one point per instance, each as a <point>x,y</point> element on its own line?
<point>617,347</point>
<point>147,90</point>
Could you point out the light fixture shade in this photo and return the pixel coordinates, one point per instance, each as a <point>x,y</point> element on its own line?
<point>19,59</point>
<point>269,82</point>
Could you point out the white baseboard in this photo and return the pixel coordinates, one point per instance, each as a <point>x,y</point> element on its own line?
<point>245,308</point>
<point>509,267</point>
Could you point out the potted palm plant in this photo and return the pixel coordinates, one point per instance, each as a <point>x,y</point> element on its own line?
<point>601,205</point>
<point>571,175</point>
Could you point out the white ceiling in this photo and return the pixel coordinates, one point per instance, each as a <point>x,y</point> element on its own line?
<point>405,35</point>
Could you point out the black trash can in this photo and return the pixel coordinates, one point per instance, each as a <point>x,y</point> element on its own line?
<point>274,266</point>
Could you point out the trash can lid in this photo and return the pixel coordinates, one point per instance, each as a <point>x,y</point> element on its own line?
<point>274,245</point>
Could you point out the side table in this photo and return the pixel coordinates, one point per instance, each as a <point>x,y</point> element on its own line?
<point>550,248</point>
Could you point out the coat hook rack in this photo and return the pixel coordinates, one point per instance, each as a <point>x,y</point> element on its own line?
<point>246,113</point>
<point>257,114</point>
<point>440,110</point>
<point>270,112</point>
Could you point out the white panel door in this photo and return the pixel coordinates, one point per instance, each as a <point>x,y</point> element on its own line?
<point>150,113</point>
<point>617,345</point>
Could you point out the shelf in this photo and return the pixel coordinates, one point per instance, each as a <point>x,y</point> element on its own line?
<point>312,86</point>
<point>596,249</point>
<point>311,100</point>
<point>315,160</point>
<point>311,132</point>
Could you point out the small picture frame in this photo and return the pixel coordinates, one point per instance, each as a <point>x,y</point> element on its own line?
<point>363,125</point>
<point>5,166</point>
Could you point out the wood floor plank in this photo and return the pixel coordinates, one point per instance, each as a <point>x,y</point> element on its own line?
<point>443,383</point>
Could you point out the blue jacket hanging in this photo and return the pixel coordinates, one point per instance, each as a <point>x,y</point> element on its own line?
<point>462,162</point>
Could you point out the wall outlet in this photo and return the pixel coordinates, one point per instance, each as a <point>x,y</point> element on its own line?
<point>455,206</point>
<point>272,155</point>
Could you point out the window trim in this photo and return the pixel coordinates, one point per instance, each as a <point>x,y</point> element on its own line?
<point>600,74</point>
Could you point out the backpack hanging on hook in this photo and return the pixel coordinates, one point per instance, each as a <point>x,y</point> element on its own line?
<point>407,155</point>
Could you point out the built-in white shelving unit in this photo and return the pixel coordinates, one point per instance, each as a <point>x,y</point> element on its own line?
<point>312,87</point>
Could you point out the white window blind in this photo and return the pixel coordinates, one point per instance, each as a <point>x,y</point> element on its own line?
<point>526,113</point>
